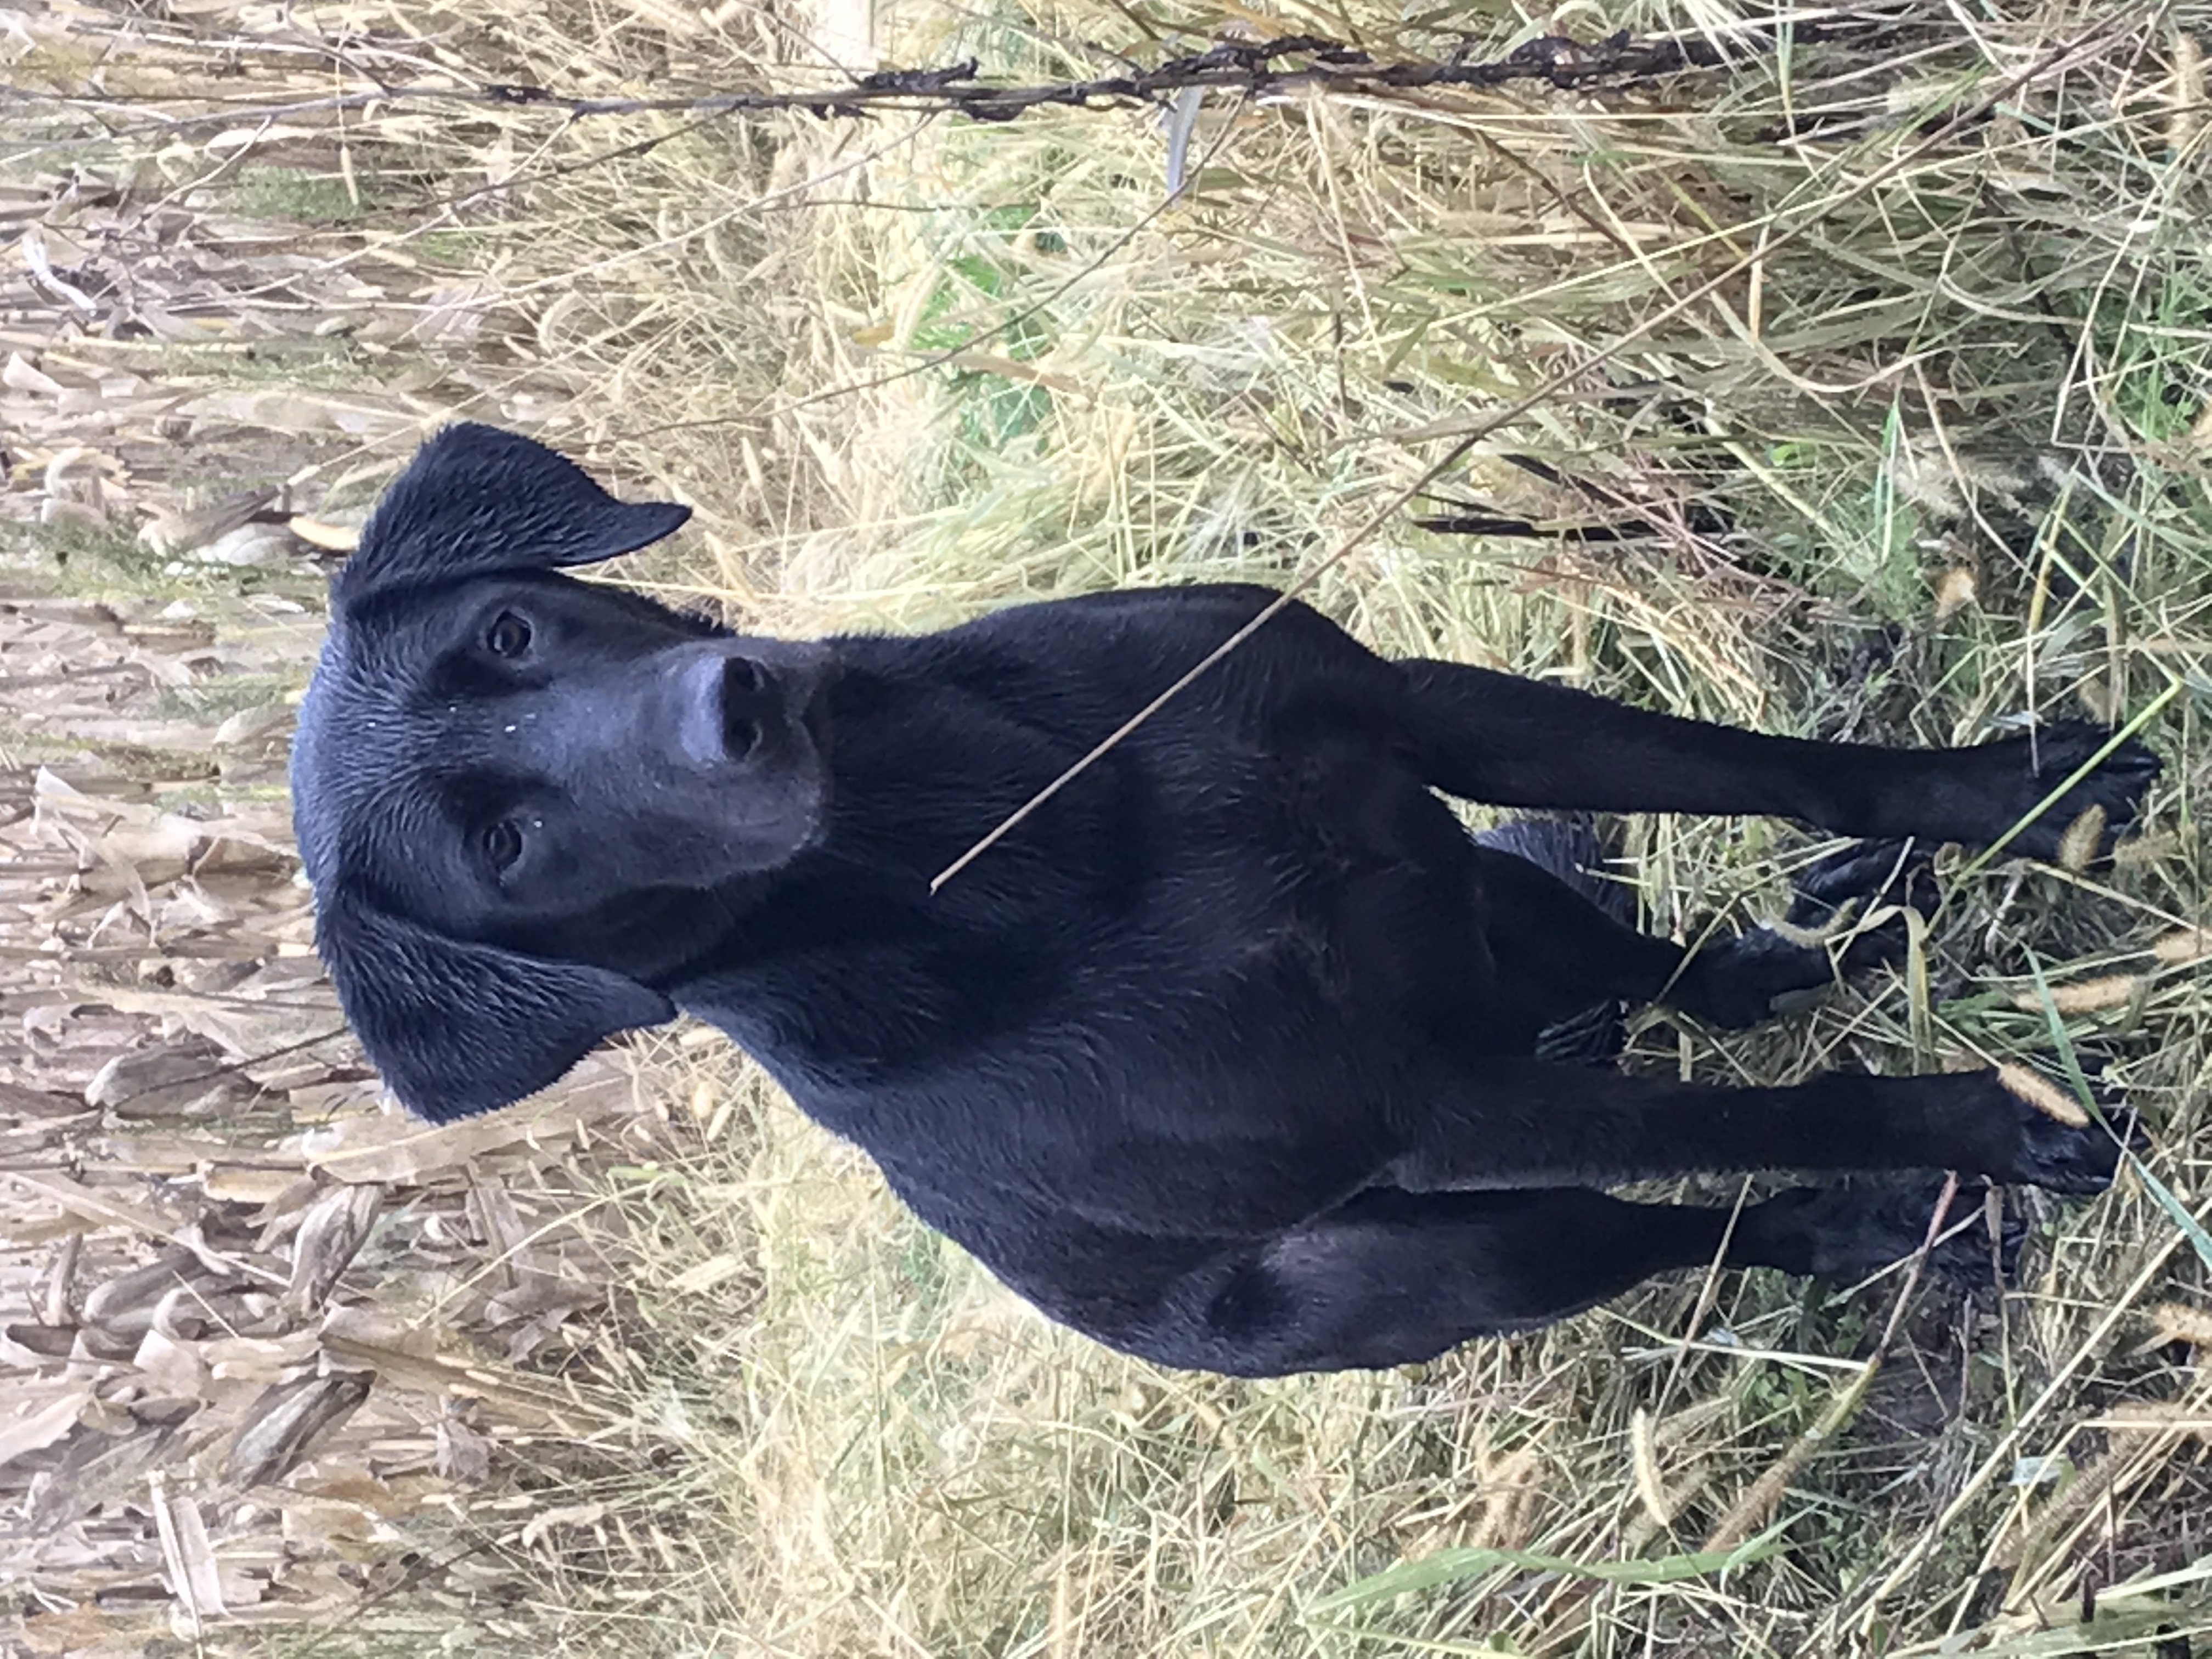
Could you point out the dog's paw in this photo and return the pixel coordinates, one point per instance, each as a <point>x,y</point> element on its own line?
<point>1848,1232</point>
<point>1737,983</point>
<point>2083,825</point>
<point>1854,883</point>
<point>1894,870</point>
<point>2057,1145</point>
<point>1742,981</point>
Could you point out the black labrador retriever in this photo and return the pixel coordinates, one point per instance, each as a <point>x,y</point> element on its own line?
<point>1231,1054</point>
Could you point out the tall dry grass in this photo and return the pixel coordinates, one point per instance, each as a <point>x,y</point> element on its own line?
<point>674,1375</point>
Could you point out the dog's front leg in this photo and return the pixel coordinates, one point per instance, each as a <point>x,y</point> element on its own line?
<point>1514,742</point>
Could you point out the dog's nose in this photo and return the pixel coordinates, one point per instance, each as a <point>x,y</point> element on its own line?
<point>749,701</point>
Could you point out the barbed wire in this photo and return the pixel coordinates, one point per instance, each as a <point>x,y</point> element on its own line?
<point>1250,69</point>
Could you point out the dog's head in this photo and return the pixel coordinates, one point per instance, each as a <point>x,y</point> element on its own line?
<point>512,789</point>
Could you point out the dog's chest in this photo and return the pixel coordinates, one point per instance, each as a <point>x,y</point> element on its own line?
<point>1311,870</point>
<point>1240,851</point>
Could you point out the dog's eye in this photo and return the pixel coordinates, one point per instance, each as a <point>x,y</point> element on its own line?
<point>502,843</point>
<point>508,636</point>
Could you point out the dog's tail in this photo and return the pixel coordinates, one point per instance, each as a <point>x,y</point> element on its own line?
<point>1569,846</point>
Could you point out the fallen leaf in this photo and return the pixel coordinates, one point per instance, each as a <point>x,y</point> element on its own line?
<point>38,1421</point>
<point>287,1420</point>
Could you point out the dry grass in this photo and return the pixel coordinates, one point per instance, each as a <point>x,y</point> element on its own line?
<point>669,1373</point>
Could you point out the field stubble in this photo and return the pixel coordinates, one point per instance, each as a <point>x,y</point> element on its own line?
<point>648,1366</point>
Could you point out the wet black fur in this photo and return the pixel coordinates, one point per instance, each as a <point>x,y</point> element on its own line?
<point>1228,1055</point>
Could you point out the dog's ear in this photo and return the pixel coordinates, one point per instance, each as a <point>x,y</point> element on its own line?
<point>477,501</point>
<point>459,1028</point>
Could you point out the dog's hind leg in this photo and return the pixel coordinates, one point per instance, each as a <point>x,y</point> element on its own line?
<point>1567,961</point>
<point>1391,1277</point>
<point>1569,958</point>
<point>1499,1121</point>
